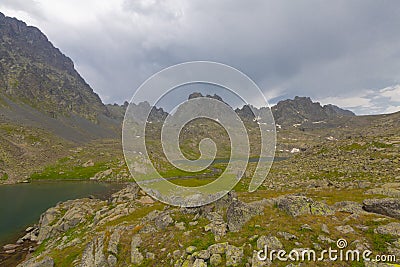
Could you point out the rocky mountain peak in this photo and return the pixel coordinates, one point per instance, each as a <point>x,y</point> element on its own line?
<point>34,72</point>
<point>302,109</point>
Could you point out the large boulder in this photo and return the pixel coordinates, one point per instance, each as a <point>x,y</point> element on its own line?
<point>234,256</point>
<point>163,221</point>
<point>349,207</point>
<point>272,242</point>
<point>217,225</point>
<point>136,256</point>
<point>93,255</point>
<point>389,229</point>
<point>389,189</point>
<point>46,262</point>
<point>386,206</point>
<point>296,205</point>
<point>65,216</point>
<point>113,242</point>
<point>128,194</point>
<point>239,213</point>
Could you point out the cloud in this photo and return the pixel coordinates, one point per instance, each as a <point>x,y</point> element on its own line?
<point>31,7</point>
<point>391,92</point>
<point>323,50</point>
<point>386,100</point>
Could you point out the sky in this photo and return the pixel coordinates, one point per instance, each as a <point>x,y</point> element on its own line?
<point>344,52</point>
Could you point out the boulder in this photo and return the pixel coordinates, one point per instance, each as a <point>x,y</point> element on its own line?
<point>386,206</point>
<point>239,213</point>
<point>349,207</point>
<point>234,256</point>
<point>345,229</point>
<point>128,194</point>
<point>296,205</point>
<point>163,221</point>
<point>202,254</point>
<point>112,260</point>
<point>287,236</point>
<point>219,248</point>
<point>215,260</point>
<point>199,263</point>
<point>113,242</point>
<point>217,225</point>
<point>136,241</point>
<point>10,246</point>
<point>136,257</point>
<point>272,242</point>
<point>325,229</point>
<point>88,163</point>
<point>389,229</point>
<point>93,255</point>
<point>146,200</point>
<point>190,250</point>
<point>102,175</point>
<point>46,262</point>
<point>256,262</point>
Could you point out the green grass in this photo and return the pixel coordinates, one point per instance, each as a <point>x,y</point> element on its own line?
<point>379,241</point>
<point>59,172</point>
<point>4,177</point>
<point>354,146</point>
<point>381,145</point>
<point>204,241</point>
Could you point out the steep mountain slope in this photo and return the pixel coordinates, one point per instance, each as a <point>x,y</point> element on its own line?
<point>33,71</point>
<point>46,107</point>
<point>39,87</point>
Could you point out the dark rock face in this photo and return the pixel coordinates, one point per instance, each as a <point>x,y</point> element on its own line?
<point>246,112</point>
<point>303,109</point>
<point>34,72</point>
<point>386,206</point>
<point>195,95</point>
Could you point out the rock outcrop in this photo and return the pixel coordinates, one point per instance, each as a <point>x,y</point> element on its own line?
<point>239,213</point>
<point>296,205</point>
<point>386,206</point>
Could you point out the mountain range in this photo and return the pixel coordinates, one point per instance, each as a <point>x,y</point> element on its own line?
<point>47,108</point>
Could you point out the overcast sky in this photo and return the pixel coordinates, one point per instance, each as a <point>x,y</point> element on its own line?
<point>341,52</point>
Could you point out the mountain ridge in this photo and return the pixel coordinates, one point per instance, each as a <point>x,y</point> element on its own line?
<point>39,74</point>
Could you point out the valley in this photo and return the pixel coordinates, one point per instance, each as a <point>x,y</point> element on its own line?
<point>335,176</point>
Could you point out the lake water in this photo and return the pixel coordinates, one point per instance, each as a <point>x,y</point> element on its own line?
<point>226,160</point>
<point>22,204</point>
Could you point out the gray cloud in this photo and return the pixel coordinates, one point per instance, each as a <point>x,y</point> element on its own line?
<point>336,50</point>
<point>31,6</point>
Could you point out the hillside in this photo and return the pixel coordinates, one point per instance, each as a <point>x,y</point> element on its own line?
<point>46,107</point>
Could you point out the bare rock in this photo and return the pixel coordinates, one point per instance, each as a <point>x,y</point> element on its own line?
<point>296,205</point>
<point>215,260</point>
<point>272,242</point>
<point>163,221</point>
<point>93,255</point>
<point>345,229</point>
<point>389,229</point>
<point>234,256</point>
<point>386,206</point>
<point>239,213</point>
<point>46,262</point>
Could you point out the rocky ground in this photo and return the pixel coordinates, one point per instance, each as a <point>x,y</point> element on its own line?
<point>130,229</point>
<point>337,184</point>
